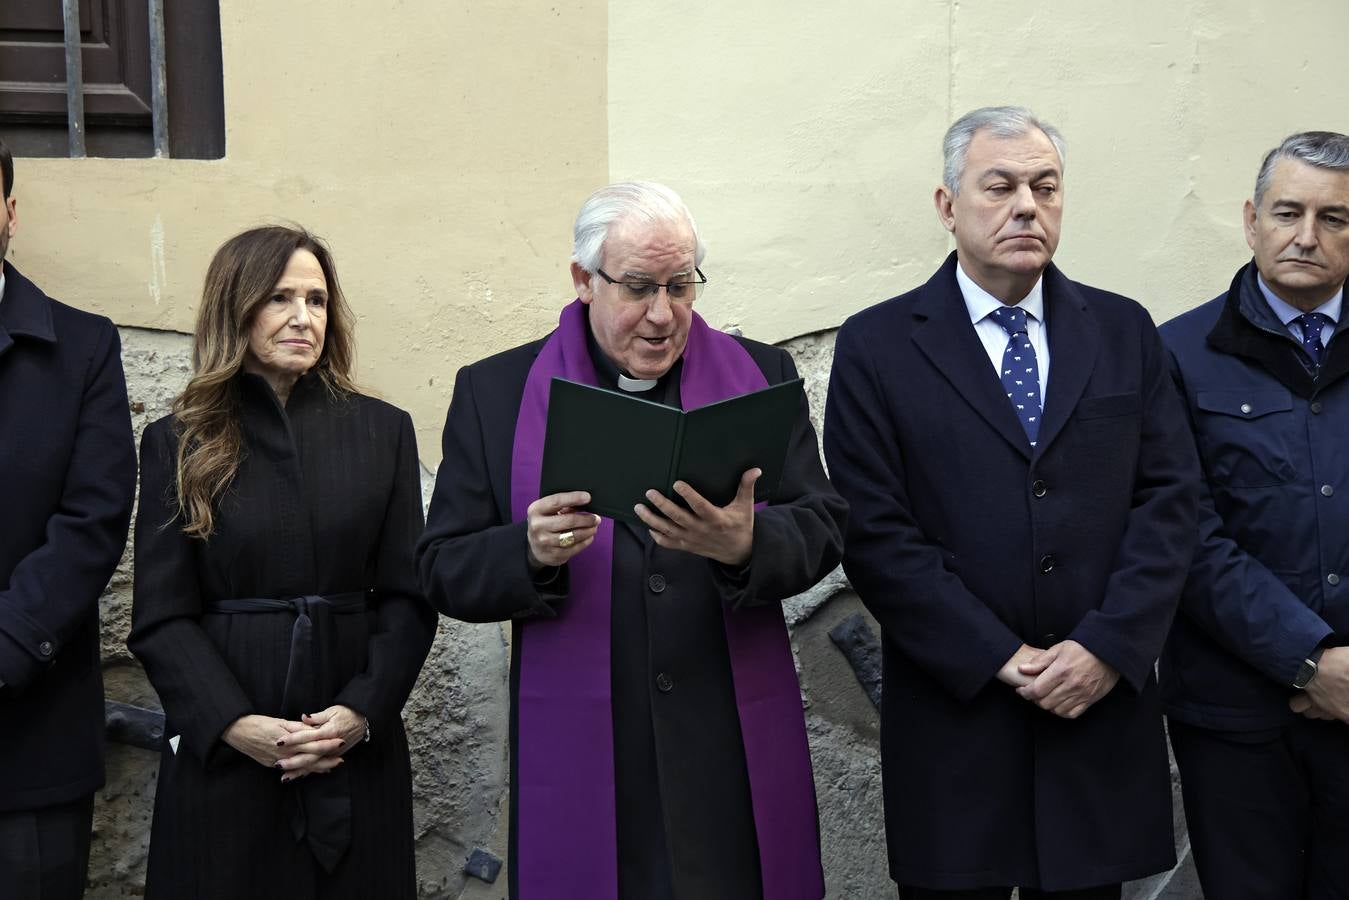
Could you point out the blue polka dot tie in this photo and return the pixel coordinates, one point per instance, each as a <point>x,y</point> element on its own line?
<point>1020,370</point>
<point>1311,325</point>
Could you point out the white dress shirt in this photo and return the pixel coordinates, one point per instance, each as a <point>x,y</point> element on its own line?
<point>981,304</point>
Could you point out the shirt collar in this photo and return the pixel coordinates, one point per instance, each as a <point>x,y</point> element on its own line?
<point>1287,312</point>
<point>2,281</point>
<point>980,302</point>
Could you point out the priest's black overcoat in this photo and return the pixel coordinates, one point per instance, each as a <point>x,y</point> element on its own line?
<point>327,500</point>
<point>679,753</point>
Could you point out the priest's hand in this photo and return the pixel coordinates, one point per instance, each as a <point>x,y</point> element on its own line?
<point>1068,679</point>
<point>556,530</point>
<point>723,533</point>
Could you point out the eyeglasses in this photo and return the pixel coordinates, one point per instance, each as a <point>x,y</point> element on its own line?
<point>642,291</point>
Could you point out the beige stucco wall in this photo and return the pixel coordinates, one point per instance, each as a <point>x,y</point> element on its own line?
<point>806,136</point>
<point>441,148</point>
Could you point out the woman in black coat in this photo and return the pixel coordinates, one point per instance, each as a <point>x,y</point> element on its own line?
<point>276,606</point>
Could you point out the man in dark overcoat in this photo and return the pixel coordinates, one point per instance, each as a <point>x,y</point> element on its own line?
<point>658,747</point>
<point>1023,509</point>
<point>1255,676</point>
<point>67,476</point>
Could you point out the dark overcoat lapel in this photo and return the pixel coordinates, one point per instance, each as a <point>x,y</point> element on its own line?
<point>1074,338</point>
<point>945,335</point>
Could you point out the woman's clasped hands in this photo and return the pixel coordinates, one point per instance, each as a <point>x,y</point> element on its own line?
<point>312,745</point>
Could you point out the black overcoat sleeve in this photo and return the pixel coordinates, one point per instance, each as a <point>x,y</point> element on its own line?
<point>54,590</point>
<point>798,537</point>
<point>921,606</point>
<point>404,623</point>
<point>472,560</point>
<point>1130,626</point>
<point>200,694</point>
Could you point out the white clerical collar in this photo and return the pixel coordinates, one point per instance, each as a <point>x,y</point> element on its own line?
<point>1288,312</point>
<point>2,280</point>
<point>980,302</point>
<point>635,385</point>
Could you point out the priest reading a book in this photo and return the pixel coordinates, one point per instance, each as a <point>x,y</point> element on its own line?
<point>658,746</point>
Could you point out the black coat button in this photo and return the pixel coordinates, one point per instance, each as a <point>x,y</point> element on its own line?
<point>45,648</point>
<point>656,583</point>
<point>664,683</point>
<point>1050,639</point>
<point>1039,488</point>
<point>1316,407</point>
<point>1047,563</point>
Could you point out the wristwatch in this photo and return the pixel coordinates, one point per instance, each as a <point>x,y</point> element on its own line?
<point>1307,671</point>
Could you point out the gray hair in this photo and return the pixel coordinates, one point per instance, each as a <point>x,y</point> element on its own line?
<point>1322,149</point>
<point>1002,122</point>
<point>645,201</point>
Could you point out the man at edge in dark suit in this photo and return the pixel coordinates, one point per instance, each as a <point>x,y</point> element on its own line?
<point>67,475</point>
<point>1023,502</point>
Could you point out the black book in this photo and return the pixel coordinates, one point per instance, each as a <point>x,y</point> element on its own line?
<point>618,447</point>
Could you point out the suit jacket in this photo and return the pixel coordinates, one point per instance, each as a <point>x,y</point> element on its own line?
<point>965,543</point>
<point>67,477</point>
<point>472,560</point>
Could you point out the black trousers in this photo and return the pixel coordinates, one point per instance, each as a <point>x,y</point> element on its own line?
<point>1104,892</point>
<point>1268,813</point>
<point>44,853</point>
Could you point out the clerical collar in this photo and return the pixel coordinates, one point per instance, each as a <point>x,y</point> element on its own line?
<point>636,385</point>
<point>609,374</point>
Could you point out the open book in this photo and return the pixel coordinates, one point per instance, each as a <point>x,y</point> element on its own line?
<point>618,447</point>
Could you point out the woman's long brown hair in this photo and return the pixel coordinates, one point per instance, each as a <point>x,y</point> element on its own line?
<point>241,277</point>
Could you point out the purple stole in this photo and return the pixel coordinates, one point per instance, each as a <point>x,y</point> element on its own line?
<point>566,847</point>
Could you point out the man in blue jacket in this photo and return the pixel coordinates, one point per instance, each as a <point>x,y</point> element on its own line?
<point>67,474</point>
<point>1256,675</point>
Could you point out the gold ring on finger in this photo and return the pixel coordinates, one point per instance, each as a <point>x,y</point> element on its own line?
<point>566,539</point>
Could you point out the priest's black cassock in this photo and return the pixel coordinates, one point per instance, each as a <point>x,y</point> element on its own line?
<point>685,826</point>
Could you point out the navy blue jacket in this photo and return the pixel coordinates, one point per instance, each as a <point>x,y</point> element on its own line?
<point>67,475</point>
<point>965,543</point>
<point>1268,582</point>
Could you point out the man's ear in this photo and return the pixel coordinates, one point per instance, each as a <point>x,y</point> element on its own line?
<point>584,283</point>
<point>943,199</point>
<point>1248,216</point>
<point>13,205</point>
